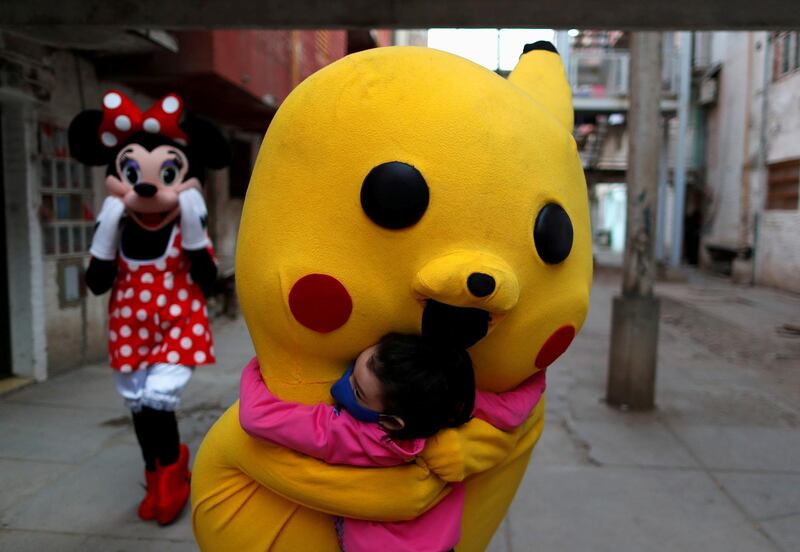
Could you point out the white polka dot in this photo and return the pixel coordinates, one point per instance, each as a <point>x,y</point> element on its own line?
<point>175,332</point>
<point>173,357</point>
<point>115,313</point>
<point>161,300</point>
<point>125,368</point>
<point>189,279</point>
<point>125,350</point>
<point>143,350</point>
<point>161,265</point>
<point>125,331</point>
<point>141,315</point>
<point>183,295</point>
<point>186,343</point>
<point>142,364</point>
<point>128,278</point>
<point>199,357</point>
<point>170,104</point>
<point>205,311</point>
<point>133,267</point>
<point>168,281</point>
<point>198,329</point>
<point>174,252</point>
<point>120,295</point>
<point>196,305</point>
<point>112,100</point>
<point>108,139</point>
<point>145,295</point>
<point>128,293</point>
<point>123,123</point>
<point>147,278</point>
<point>143,333</point>
<point>126,312</point>
<point>165,324</point>
<point>156,319</point>
<point>164,348</point>
<point>112,335</point>
<point>208,336</point>
<point>211,351</point>
<point>175,310</point>
<point>151,125</point>
<point>158,337</point>
<point>155,349</point>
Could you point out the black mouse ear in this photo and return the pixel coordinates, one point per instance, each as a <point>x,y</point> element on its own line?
<point>84,139</point>
<point>207,141</point>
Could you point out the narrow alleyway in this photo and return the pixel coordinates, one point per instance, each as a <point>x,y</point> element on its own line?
<point>715,467</point>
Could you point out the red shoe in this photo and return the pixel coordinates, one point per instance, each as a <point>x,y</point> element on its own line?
<point>173,488</point>
<point>147,507</point>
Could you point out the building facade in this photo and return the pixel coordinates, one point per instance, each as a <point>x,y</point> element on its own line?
<point>48,321</point>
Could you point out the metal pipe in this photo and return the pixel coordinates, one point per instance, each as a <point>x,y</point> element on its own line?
<point>661,201</point>
<point>685,78</point>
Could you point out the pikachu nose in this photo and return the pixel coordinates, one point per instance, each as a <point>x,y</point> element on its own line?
<point>469,279</point>
<point>480,284</point>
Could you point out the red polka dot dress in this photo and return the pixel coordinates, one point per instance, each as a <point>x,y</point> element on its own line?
<point>157,313</point>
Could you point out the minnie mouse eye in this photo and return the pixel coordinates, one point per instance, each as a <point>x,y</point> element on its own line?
<point>169,172</point>
<point>131,172</point>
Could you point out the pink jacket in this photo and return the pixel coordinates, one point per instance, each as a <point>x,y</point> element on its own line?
<point>334,436</point>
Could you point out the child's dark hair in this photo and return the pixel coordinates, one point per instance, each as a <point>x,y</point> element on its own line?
<point>430,386</point>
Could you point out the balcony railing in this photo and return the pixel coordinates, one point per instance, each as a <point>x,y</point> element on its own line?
<point>604,73</point>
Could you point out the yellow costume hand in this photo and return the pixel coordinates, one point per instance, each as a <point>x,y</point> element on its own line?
<point>477,446</point>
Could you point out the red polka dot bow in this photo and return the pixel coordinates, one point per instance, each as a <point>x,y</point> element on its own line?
<point>121,119</point>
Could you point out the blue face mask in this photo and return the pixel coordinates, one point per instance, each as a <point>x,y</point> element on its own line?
<point>342,392</point>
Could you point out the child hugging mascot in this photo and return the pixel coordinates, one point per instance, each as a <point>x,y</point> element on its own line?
<point>401,190</point>
<point>151,249</point>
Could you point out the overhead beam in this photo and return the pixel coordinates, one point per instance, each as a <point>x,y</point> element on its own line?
<point>398,14</point>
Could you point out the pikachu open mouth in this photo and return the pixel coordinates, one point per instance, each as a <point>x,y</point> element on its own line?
<point>457,326</point>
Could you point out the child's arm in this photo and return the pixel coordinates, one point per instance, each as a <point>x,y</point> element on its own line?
<point>509,410</point>
<point>316,430</point>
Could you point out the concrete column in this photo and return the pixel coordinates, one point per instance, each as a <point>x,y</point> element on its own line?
<point>634,332</point>
<point>24,242</point>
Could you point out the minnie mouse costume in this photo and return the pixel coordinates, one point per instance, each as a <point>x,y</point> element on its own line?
<point>151,249</point>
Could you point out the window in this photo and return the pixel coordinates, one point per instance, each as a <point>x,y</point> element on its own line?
<point>786,53</point>
<point>66,209</point>
<point>783,185</point>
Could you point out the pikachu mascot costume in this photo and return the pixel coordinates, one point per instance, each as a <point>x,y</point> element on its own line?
<point>401,189</point>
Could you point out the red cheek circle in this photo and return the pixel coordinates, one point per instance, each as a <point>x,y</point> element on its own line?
<point>320,302</point>
<point>555,346</point>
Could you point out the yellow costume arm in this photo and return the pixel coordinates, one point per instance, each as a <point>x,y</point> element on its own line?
<point>477,446</point>
<point>405,491</point>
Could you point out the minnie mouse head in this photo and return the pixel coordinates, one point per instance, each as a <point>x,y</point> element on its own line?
<point>151,157</point>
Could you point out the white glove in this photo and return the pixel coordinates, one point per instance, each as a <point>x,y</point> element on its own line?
<point>194,218</point>
<point>105,241</point>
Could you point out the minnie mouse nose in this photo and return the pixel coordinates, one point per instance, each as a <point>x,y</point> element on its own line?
<point>480,284</point>
<point>145,189</point>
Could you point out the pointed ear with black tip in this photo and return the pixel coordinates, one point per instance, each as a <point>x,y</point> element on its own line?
<point>541,74</point>
<point>207,140</point>
<point>84,139</point>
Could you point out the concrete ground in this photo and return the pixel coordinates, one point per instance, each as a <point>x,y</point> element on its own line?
<point>715,467</point>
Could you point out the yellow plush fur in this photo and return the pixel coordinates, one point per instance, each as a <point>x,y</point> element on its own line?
<point>493,152</point>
